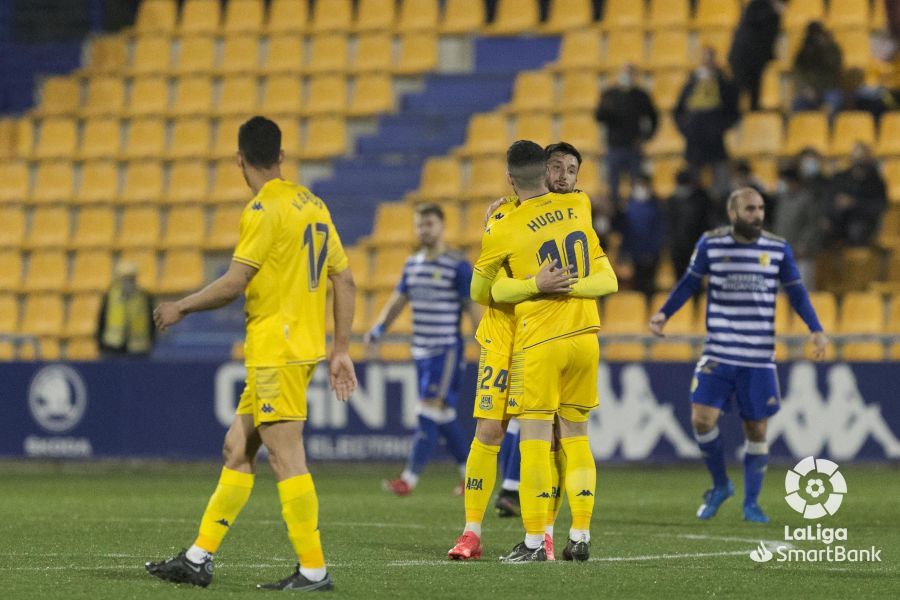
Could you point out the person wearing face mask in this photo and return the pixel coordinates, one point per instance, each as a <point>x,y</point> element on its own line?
<point>125,323</point>
<point>642,236</point>
<point>860,199</point>
<point>630,118</point>
<point>753,45</point>
<point>687,217</point>
<point>799,220</point>
<point>817,71</point>
<point>706,109</point>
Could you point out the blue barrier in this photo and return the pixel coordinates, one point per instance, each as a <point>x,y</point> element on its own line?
<point>181,410</point>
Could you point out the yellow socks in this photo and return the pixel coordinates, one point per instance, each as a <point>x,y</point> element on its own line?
<point>581,480</point>
<point>481,474</point>
<point>534,487</point>
<point>558,476</point>
<point>224,506</point>
<point>300,509</point>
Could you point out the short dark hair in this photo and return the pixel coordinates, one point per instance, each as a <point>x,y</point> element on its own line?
<point>685,177</point>
<point>526,163</point>
<point>563,148</point>
<point>259,141</point>
<point>430,208</point>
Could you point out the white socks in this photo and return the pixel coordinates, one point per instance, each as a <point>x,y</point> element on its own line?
<point>533,542</point>
<point>198,555</point>
<point>577,534</point>
<point>474,528</point>
<point>410,478</point>
<point>313,574</point>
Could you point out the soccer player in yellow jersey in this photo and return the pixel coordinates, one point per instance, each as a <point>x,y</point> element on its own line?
<point>556,353</point>
<point>288,245</point>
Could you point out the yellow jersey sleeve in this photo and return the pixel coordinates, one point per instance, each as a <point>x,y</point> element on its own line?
<point>257,234</point>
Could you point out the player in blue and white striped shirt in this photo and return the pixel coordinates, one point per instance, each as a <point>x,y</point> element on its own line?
<point>435,282</point>
<point>745,265</point>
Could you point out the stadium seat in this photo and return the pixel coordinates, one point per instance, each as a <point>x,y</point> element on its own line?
<point>7,137</point>
<point>667,87</point>
<point>326,95</point>
<point>10,270</point>
<point>800,12</point>
<point>283,94</point>
<point>533,91</point>
<point>156,16</point>
<point>24,138</point>
<point>624,313</point>
<point>891,171</point>
<point>760,134</point>
<point>374,15</point>
<point>326,138</point>
<point>388,266</point>
<point>825,305</point>
<point>681,323</point>
<point>225,142</point>
<point>54,183</point>
<point>889,232</point>
<point>669,14</point>
<point>582,131</point>
<point>664,171</point>
<point>579,52</point>
<point>806,129</point>
<point>473,224</point>
<point>60,96</point>
<point>393,224</point>
<point>623,14</point>
<point>50,228</point>
<point>47,270</point>
<point>240,55</point>
<point>862,313</point>
<point>374,53</point>
<point>462,17</point>
<point>534,126</point>
<point>99,183</point>
<point>849,14</point>
<point>95,229</point>
<point>228,184</point>
<point>199,17</point>
<point>46,349</point>
<point>197,55</point>
<point>667,141</point>
<point>146,138</point>
<point>188,183</point>
<point>566,15</point>
<point>107,54</point>
<point>624,46</point>
<point>859,268</point>
<point>487,179</point>
<point>105,97</point>
<point>669,50</point>
<point>717,39</point>
<point>139,228</point>
<point>14,181</point>
<point>771,95</point>
<point>243,16</point>
<point>878,20</point>
<point>12,226</point>
<point>42,315</point>
<point>331,15</point>
<point>149,97</point>
<point>441,179</point>
<point>147,266</point>
<point>58,138</point>
<point>589,178</point>
<point>487,133</point>
<point>82,348</point>
<point>328,54</point>
<point>889,135</point>
<point>225,226</point>
<point>717,14</point>
<point>151,55</point>
<point>182,271</point>
<point>418,15</point>
<point>285,56</point>
<point>514,17</point>
<point>83,313</point>
<point>373,94</point>
<point>856,48</point>
<point>143,183</point>
<point>91,271</point>
<point>579,92</point>
<point>418,54</point>
<point>851,127</point>
<point>185,227</point>
<point>190,139</point>
<point>193,96</point>
<point>9,313</point>
<point>287,16</point>
<point>239,95</point>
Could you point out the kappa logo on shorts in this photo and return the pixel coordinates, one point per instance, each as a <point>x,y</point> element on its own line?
<point>267,408</point>
<point>512,403</point>
<point>486,403</point>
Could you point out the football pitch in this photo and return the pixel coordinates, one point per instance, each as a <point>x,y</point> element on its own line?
<point>84,530</point>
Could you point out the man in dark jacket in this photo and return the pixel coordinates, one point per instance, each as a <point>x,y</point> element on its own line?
<point>687,217</point>
<point>860,199</point>
<point>706,109</point>
<point>753,45</point>
<point>630,118</point>
<point>642,235</point>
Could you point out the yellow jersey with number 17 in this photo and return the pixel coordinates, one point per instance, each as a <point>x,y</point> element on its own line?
<point>548,227</point>
<point>287,234</point>
<point>498,324</point>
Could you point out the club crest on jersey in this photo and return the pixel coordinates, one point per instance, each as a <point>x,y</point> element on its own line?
<point>764,259</point>
<point>486,403</point>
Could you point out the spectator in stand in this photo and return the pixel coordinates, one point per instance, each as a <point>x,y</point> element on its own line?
<point>753,45</point>
<point>125,323</point>
<point>811,168</point>
<point>642,235</point>
<point>800,220</point>
<point>706,109</point>
<point>859,200</point>
<point>817,71</point>
<point>630,118</point>
<point>742,176</point>
<point>687,217</point>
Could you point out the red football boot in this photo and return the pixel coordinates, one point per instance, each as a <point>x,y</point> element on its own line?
<point>548,547</point>
<point>398,487</point>
<point>468,547</point>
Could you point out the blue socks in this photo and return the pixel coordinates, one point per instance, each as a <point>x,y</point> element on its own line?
<point>423,445</point>
<point>456,441</point>
<point>756,460</point>
<point>431,426</point>
<point>713,455</point>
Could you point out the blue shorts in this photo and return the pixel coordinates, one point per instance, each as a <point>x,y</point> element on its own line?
<point>755,389</point>
<point>439,376</point>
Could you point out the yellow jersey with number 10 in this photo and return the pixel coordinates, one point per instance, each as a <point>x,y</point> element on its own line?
<point>287,234</point>
<point>548,227</point>
<point>497,326</point>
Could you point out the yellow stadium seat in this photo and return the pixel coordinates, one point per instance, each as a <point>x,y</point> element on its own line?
<point>188,183</point>
<point>193,96</point>
<point>418,54</point>
<point>225,143</point>
<point>287,16</point>
<point>393,223</point>
<point>889,135</point>
<point>374,53</point>
<point>7,137</point>
<point>859,268</point>
<point>669,50</point>
<point>806,129</point>
<point>717,39</point>
<point>514,17</point>
<point>47,271</point>
<point>185,227</point>
<point>849,14</point>
<point>82,348</point>
<point>851,127</point>
<point>107,54</point>
<point>156,16</point>
<point>535,127</point>
<point>487,133</point>
<point>329,53</point>
<point>473,224</point>
<point>285,55</point>
<point>326,137</point>
<point>624,46</point>
<point>9,313</point>
<point>182,271</point>
<point>24,138</point>
<point>143,183</point>
<point>240,55</point>
<point>624,313</point>
<point>772,96</point>
<point>891,172</point>
<point>326,94</point>
<point>199,17</point>
<point>290,143</point>
<point>43,315</point>
<point>91,271</point>
<point>243,16</point>
<point>861,312</point>
<point>664,172</point>
<point>149,97</point>
<point>889,232</point>
<point>239,96</point>
<point>46,349</point>
<point>101,138</point>
<point>533,91</point>
<point>800,12</point>
<point>582,131</point>
<point>667,141</point>
<point>10,270</point>
<point>146,139</point>
<point>96,228</point>
<point>579,52</point>
<point>566,15</point>
<point>139,228</point>
<point>374,15</point>
<point>196,55</point>
<point>105,96</point>
<point>331,15</point>
<point>760,134</point>
<point>878,21</point>
<point>418,15</point>
<point>54,183</point>
<point>717,14</point>
<point>682,322</point>
<point>49,228</point>
<point>83,313</point>
<point>373,94</point>
<point>441,179</point>
<point>623,14</point>
<point>58,138</point>
<point>580,91</point>
<point>825,306</point>
<point>190,139</point>
<point>151,55</point>
<point>856,47</point>
<point>462,17</point>
<point>667,87</point>
<point>12,227</point>
<point>147,266</point>
<point>669,14</point>
<point>14,181</point>
<point>766,170</point>
<point>224,228</point>
<point>389,261</point>
<point>487,178</point>
<point>99,183</point>
<point>229,184</point>
<point>59,96</point>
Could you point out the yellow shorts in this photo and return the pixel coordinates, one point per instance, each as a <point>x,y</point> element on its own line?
<point>492,386</point>
<point>276,393</point>
<point>559,376</point>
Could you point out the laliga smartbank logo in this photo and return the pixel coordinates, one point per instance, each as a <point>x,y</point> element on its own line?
<point>814,488</point>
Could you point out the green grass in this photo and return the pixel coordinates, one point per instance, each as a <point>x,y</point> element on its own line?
<point>84,531</point>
